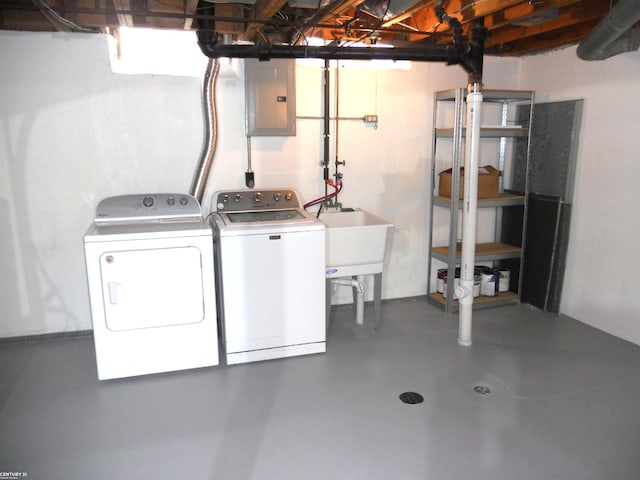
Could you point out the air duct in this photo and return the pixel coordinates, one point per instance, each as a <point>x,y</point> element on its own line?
<point>614,34</point>
<point>210,137</point>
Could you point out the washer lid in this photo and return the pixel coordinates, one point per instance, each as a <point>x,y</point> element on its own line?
<point>242,225</point>
<point>153,207</point>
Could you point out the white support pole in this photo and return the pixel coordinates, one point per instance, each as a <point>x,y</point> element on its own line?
<point>469,213</point>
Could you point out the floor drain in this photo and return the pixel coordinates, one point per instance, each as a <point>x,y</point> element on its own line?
<point>481,389</point>
<point>411,398</point>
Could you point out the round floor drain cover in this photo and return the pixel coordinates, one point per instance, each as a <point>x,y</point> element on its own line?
<point>481,389</point>
<point>411,398</point>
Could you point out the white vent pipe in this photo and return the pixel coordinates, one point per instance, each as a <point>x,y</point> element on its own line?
<point>469,213</point>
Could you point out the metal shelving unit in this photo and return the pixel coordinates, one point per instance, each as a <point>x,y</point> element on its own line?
<point>502,131</point>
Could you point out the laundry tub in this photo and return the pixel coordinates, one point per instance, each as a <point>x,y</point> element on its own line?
<point>356,244</point>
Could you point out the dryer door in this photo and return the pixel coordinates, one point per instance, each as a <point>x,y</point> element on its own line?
<point>152,288</point>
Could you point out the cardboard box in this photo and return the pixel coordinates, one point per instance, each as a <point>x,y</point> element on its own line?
<point>487,182</point>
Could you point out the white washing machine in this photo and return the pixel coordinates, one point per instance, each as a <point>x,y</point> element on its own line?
<point>151,283</point>
<point>270,260</point>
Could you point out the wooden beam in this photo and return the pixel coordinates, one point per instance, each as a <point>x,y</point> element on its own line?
<point>471,9</point>
<point>549,41</point>
<point>263,9</point>
<point>190,7</point>
<point>139,9</point>
<point>522,11</point>
<point>421,5</point>
<point>329,13</point>
<point>123,19</point>
<point>94,14</point>
<point>336,9</point>
<point>230,10</point>
<point>464,10</point>
<point>568,17</point>
<point>174,9</point>
<point>26,20</point>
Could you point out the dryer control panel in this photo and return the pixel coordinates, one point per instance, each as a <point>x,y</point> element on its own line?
<point>153,207</point>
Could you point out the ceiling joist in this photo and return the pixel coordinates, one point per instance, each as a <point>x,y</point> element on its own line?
<point>515,27</point>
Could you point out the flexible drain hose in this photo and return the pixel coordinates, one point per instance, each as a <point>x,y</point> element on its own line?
<point>211,130</point>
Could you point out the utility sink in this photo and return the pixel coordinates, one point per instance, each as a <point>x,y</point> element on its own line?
<point>356,242</point>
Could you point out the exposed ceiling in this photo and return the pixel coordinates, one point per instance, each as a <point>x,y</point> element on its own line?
<point>515,28</point>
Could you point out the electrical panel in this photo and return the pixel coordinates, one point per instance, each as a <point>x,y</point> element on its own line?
<point>270,89</point>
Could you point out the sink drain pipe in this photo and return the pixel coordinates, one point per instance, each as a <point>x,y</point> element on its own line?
<point>358,284</point>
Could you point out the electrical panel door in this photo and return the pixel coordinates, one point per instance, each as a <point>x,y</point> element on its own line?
<point>270,97</point>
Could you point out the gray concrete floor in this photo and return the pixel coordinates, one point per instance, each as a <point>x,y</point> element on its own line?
<point>564,404</point>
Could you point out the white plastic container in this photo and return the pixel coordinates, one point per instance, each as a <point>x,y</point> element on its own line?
<point>489,284</point>
<point>504,275</point>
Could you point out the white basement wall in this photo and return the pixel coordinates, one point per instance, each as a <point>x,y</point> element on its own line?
<point>72,132</point>
<point>601,278</point>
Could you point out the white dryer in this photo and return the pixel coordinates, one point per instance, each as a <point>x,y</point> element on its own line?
<point>149,262</point>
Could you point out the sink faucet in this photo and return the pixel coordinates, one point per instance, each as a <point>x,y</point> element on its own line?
<point>332,204</point>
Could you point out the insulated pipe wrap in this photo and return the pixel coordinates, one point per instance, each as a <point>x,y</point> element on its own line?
<point>211,130</point>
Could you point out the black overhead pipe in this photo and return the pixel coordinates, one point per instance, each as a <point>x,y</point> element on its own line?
<point>325,134</point>
<point>467,54</point>
<point>473,60</point>
<point>266,51</point>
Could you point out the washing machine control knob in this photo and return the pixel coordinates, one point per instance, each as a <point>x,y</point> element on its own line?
<point>276,196</point>
<point>171,201</point>
<point>288,196</point>
<point>225,199</point>
<point>257,197</point>
<point>147,201</point>
<point>184,200</point>
<point>238,197</point>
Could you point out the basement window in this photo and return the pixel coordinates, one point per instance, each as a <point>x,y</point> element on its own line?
<point>139,51</point>
<point>156,52</point>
